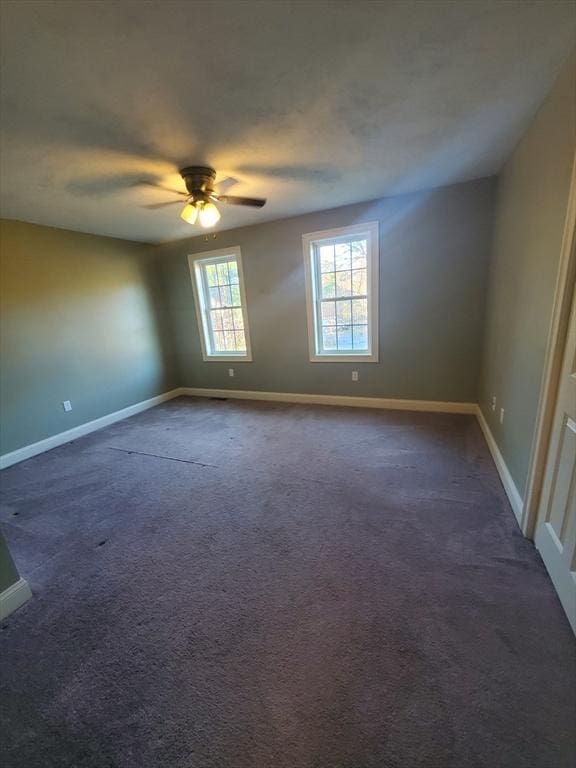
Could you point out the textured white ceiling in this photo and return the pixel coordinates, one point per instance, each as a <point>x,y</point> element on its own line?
<point>311,104</point>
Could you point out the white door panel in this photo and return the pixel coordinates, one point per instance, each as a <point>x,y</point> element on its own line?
<point>556,530</point>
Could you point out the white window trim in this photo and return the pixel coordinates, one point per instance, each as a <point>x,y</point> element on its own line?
<point>370,229</point>
<point>195,261</point>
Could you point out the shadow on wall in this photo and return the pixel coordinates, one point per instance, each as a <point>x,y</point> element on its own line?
<point>81,321</point>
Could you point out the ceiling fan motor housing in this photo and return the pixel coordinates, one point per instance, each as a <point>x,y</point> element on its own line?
<point>199,180</point>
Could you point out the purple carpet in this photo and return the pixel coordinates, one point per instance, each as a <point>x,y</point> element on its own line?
<point>222,584</point>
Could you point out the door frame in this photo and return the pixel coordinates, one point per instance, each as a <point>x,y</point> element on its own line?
<point>552,365</point>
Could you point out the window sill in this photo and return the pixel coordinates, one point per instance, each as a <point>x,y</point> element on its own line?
<point>358,358</point>
<point>227,358</point>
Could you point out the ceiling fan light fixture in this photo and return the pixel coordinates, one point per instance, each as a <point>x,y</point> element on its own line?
<point>189,213</point>
<point>200,194</point>
<point>209,215</point>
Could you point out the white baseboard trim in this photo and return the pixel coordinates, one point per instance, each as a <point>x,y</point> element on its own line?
<point>13,597</point>
<point>509,485</point>
<point>344,400</point>
<point>21,454</point>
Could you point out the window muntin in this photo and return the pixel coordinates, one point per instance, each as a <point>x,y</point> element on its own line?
<point>341,271</point>
<point>221,305</point>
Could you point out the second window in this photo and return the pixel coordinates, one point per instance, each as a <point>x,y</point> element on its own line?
<point>342,285</point>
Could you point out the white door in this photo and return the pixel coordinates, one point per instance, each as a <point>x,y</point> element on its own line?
<point>556,528</point>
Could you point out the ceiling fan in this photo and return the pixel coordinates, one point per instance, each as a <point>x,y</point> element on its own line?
<point>201,197</point>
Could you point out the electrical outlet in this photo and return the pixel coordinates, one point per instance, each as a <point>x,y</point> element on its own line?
<point>501,415</point>
<point>494,403</point>
<point>231,372</point>
<point>354,375</point>
<point>67,405</point>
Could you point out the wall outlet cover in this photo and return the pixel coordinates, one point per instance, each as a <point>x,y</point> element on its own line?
<point>354,375</point>
<point>67,405</point>
<point>501,415</point>
<point>231,372</point>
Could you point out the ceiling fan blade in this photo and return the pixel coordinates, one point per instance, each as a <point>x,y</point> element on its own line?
<point>254,202</point>
<point>222,185</point>
<point>159,186</point>
<point>153,206</point>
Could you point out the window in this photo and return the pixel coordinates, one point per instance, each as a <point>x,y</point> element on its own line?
<point>342,293</point>
<point>221,304</point>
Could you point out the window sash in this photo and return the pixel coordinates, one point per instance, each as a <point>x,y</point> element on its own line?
<point>208,309</point>
<point>319,300</point>
<point>320,325</point>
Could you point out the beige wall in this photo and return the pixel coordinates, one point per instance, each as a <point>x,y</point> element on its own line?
<point>79,322</point>
<point>107,323</point>
<point>434,249</point>
<point>531,207</point>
